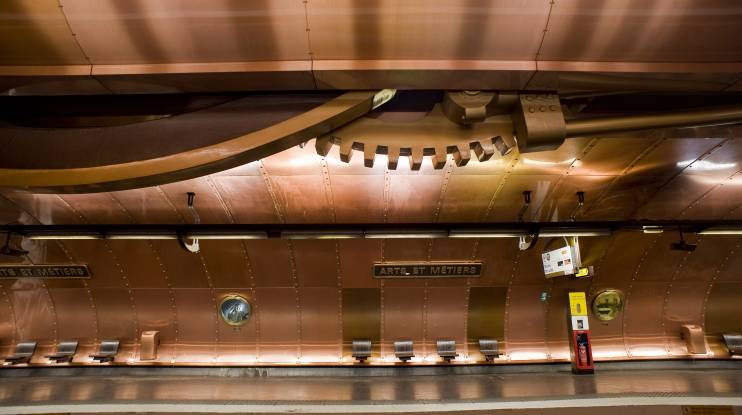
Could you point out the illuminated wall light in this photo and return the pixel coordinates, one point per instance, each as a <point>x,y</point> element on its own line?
<point>465,233</point>
<point>648,352</point>
<point>721,231</point>
<point>228,235</point>
<point>141,236</point>
<point>63,236</point>
<point>400,234</point>
<point>322,235</point>
<point>528,356</point>
<point>705,165</point>
<point>606,354</point>
<point>577,232</point>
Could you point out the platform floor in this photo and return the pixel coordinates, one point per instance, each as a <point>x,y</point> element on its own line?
<point>656,388</point>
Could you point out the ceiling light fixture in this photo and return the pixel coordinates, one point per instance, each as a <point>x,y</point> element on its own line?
<point>405,233</point>
<point>486,233</point>
<point>718,230</point>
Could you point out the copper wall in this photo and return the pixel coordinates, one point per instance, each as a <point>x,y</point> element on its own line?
<point>311,297</point>
<point>121,46</point>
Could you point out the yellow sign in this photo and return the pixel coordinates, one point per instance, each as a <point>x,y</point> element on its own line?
<point>577,304</point>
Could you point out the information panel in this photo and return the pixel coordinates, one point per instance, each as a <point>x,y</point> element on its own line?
<point>428,270</point>
<point>44,271</point>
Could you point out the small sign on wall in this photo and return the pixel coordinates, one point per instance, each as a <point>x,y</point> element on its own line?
<point>580,323</point>
<point>427,270</point>
<point>45,271</point>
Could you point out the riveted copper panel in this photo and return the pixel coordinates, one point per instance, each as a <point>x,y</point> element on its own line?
<point>76,317</point>
<point>139,263</point>
<point>156,311</point>
<point>361,316</point>
<point>525,322</point>
<point>662,262</point>
<point>45,209</point>
<point>279,324</point>
<point>467,198</point>
<point>96,207</point>
<point>197,310</point>
<point>643,319</point>
<point>552,162</point>
<point>147,205</point>
<point>446,311</point>
<point>485,317</point>
<point>247,198</point>
<point>509,199</point>
<point>35,316</point>
<point>417,250</point>
<point>316,263</point>
<point>210,208</point>
<point>530,268</point>
<point>403,310</point>
<point>646,33</point>
<point>358,198</point>
<point>684,190</point>
<point>357,257</point>
<point>563,201</point>
<point>412,197</point>
<point>271,263</point>
<point>436,30</point>
<point>321,324</point>
<point>227,263</point>
<point>294,161</point>
<point>723,309</point>
<point>182,268</point>
<point>721,202</point>
<point>498,255</point>
<point>117,313</point>
<point>220,32</point>
<point>36,33</point>
<point>303,198</point>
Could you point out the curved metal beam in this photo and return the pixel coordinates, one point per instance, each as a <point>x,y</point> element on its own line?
<point>197,162</point>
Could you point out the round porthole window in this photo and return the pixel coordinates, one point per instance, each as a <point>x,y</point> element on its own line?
<point>607,304</point>
<point>235,310</point>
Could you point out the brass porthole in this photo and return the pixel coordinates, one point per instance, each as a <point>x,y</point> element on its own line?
<point>235,310</point>
<point>607,304</point>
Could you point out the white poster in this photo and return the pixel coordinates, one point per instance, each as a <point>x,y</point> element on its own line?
<point>558,262</point>
<point>580,323</point>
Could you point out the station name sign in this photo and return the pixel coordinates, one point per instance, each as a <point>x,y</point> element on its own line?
<point>44,271</point>
<point>427,270</point>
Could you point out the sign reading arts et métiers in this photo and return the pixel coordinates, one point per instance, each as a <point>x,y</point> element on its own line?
<point>428,270</point>
<point>44,271</point>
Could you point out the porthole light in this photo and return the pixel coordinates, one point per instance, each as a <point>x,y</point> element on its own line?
<point>235,310</point>
<point>607,304</point>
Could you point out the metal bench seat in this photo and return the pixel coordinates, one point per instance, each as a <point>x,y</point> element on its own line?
<point>65,352</point>
<point>23,353</point>
<point>106,351</point>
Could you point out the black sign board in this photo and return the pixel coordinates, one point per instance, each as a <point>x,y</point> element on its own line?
<point>44,271</point>
<point>428,270</point>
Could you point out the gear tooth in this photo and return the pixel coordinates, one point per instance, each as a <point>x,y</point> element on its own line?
<point>393,157</point>
<point>416,158</point>
<point>440,157</point>
<point>346,150</point>
<point>323,145</point>
<point>462,155</point>
<point>484,150</point>
<point>369,154</point>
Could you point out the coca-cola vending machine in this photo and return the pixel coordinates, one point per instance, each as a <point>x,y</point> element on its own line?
<point>580,349</point>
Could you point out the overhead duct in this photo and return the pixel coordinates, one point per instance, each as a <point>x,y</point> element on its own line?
<point>690,118</point>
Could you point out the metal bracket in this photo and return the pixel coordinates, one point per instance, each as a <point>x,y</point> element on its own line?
<point>191,246</point>
<point>580,205</point>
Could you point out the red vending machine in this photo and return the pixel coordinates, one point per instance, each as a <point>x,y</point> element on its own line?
<point>580,349</point>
